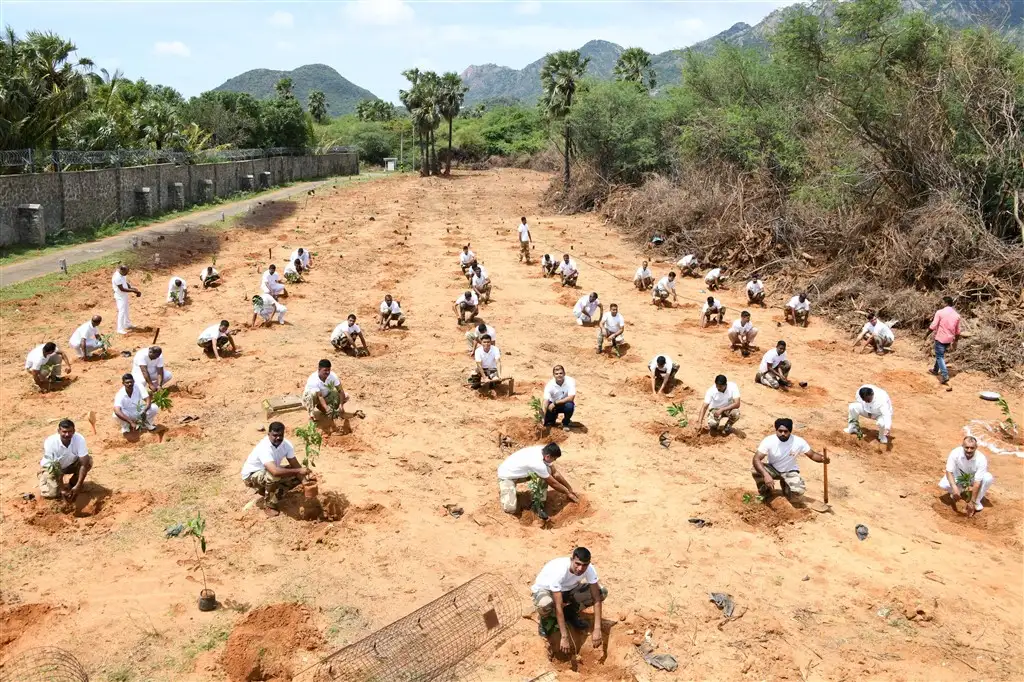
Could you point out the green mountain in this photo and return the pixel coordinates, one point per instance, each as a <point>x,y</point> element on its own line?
<point>490,81</point>
<point>342,95</point>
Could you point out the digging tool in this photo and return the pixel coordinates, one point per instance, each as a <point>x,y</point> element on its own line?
<point>824,473</point>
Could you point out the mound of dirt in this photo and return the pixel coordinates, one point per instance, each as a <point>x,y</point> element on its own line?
<point>261,645</point>
<point>768,515</point>
<point>16,620</point>
<point>561,511</point>
<point>517,432</point>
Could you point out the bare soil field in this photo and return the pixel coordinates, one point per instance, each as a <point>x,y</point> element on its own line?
<point>928,595</point>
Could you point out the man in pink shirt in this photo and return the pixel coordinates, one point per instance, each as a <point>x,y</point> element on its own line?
<point>946,327</point>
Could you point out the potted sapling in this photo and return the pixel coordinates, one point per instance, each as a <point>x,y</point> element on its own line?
<point>333,400</point>
<point>195,528</point>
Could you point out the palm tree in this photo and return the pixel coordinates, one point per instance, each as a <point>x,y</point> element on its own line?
<point>159,122</point>
<point>284,88</point>
<point>317,104</point>
<point>430,91</point>
<point>634,66</point>
<point>412,100</point>
<point>451,95</point>
<point>61,85</point>
<point>559,78</point>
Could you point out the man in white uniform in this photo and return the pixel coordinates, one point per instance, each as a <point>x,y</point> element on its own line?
<point>474,335</point>
<point>774,369</point>
<point>390,311</point>
<point>588,309</point>
<point>177,291</point>
<point>755,292</point>
<point>467,259</point>
<point>798,310</point>
<point>304,257</point>
<point>266,470</point>
<point>264,305</point>
<point>563,587</point>
<point>613,328</point>
<point>567,269</point>
<point>665,286</point>
<point>209,276</point>
<point>148,369</point>
<point>874,403</point>
<point>293,272</point>
<point>967,476</point>
<point>44,364</point>
<point>539,461</point>
<point>466,307</point>
<point>688,264</point>
<point>662,369</point>
<point>713,310</point>
<point>64,454</point>
<point>548,265</point>
<point>215,336</point>
<point>86,339</point>
<point>775,460</point>
<point>488,364</point>
<point>742,333</point>
<point>323,395</point>
<point>559,398</point>
<point>876,335</point>
<point>345,334</point>
<point>643,278</point>
<point>122,289</point>
<point>133,407</point>
<point>270,283</point>
<point>481,283</point>
<point>715,278</point>
<point>721,401</point>
<point>525,240</point>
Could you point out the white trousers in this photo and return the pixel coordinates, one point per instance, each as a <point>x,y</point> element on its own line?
<point>273,288</point>
<point>884,421</point>
<point>90,346</point>
<point>124,322</point>
<point>281,310</point>
<point>986,481</point>
<point>141,381</point>
<point>150,419</point>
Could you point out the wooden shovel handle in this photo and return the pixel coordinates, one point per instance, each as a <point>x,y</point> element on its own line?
<point>825,473</point>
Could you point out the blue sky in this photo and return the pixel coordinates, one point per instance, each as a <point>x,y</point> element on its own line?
<point>195,45</point>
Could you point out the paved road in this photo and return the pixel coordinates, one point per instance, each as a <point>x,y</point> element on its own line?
<point>44,265</point>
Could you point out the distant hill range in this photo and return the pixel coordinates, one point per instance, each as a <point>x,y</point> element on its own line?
<point>489,82</point>
<point>342,95</point>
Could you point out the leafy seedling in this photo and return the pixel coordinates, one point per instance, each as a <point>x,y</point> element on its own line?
<point>105,342</point>
<point>162,399</point>
<point>537,408</point>
<point>537,487</point>
<point>748,498</point>
<point>678,412</point>
<point>333,400</point>
<point>859,431</point>
<point>312,439</point>
<point>174,298</point>
<point>964,481</point>
<point>195,528</point>
<point>292,277</point>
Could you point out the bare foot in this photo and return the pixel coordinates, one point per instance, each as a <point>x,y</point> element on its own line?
<point>271,513</point>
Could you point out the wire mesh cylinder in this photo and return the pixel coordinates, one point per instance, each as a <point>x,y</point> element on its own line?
<point>431,640</point>
<point>43,664</point>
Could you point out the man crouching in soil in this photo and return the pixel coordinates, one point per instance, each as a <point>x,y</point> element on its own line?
<point>563,586</point>
<point>781,451</point>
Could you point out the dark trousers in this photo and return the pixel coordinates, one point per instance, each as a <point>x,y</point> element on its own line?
<point>565,408</point>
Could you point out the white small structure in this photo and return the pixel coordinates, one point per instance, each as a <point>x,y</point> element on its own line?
<point>390,163</point>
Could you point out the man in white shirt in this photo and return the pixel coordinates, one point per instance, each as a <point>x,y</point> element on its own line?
<point>666,286</point>
<point>643,278</point>
<point>304,257</point>
<point>715,278</point>
<point>559,398</point>
<point>563,587</point>
<point>798,310</point>
<point>474,335</point>
<point>390,311</point>
<point>293,272</point>
<point>742,334</point>
<point>721,401</point>
<point>270,283</point>
<point>466,307</point>
<point>775,460</point>
<point>86,340</point>
<point>264,306</point>
<point>664,370</point>
<point>567,269</point>
<point>177,291</point>
<point>122,288</point>
<point>345,334</point>
<point>525,240</point>
<point>876,334</point>
<point>517,468</point>
<point>323,395</point>
<point>209,276</point>
<point>967,476</point>
<point>44,364</point>
<point>713,310</point>
<point>874,403</point>
<point>133,407</point>
<point>613,328</point>
<point>214,337</point>
<point>64,454</point>
<point>774,369</point>
<point>587,309</point>
<point>755,292</point>
<point>467,259</point>
<point>488,364</point>
<point>481,283</point>
<point>148,369</point>
<point>271,468</point>
<point>688,265</point>
<point>548,265</point>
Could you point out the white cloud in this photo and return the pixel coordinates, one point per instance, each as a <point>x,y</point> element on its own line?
<point>379,12</point>
<point>174,48</point>
<point>528,7</point>
<point>281,19</point>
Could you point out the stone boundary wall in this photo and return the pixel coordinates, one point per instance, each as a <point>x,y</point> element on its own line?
<point>79,200</point>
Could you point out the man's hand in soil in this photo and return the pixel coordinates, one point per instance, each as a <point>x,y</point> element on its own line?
<point>573,497</point>
<point>597,639</point>
<point>564,645</point>
<point>970,510</point>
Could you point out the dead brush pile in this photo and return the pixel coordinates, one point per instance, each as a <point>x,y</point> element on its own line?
<point>898,262</point>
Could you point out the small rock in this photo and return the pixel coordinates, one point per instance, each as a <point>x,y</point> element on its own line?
<point>805,578</point>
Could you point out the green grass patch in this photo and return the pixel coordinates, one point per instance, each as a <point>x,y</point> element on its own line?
<point>48,284</point>
<point>207,639</point>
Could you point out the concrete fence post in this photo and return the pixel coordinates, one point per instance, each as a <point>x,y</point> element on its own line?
<point>143,201</point>
<point>206,193</point>
<point>247,183</point>
<point>176,191</point>
<point>29,226</point>
<point>265,180</point>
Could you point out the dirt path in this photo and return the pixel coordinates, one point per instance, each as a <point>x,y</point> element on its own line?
<point>927,591</point>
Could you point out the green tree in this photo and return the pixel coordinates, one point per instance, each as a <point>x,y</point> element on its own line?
<point>286,123</point>
<point>159,123</point>
<point>451,95</point>
<point>421,102</point>
<point>634,66</point>
<point>317,105</point>
<point>285,88</point>
<point>560,77</point>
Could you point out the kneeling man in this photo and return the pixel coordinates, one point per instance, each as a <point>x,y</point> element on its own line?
<point>64,454</point>
<point>535,463</point>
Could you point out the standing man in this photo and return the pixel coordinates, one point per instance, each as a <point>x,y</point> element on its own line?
<point>86,339</point>
<point>266,472</point>
<point>643,279</point>
<point>64,454</point>
<point>270,283</point>
<point>775,460</point>
<point>466,307</point>
<point>215,336</point>
<point>264,305</point>
<point>798,310</point>
<point>755,291</point>
<point>715,278</point>
<point>345,334</point>
<point>874,403</point>
<point>559,398</point>
<point>587,309</point>
<point>481,283</point>
<point>688,265</point>
<point>121,290</point>
<point>539,461</point>
<point>567,269</point>
<point>876,334</point>
<point>612,327</point>
<point>44,364</point>
<point>323,395</point>
<point>390,311</point>
<point>712,309</point>
<point>946,327</point>
<point>721,401</point>
<point>488,363</point>
<point>662,369</point>
<point>209,276</point>
<point>474,335</point>
<point>133,407</point>
<point>665,286</point>
<point>304,257</point>
<point>525,240</point>
<point>742,333</point>
<point>148,369</point>
<point>564,586</point>
<point>774,369</point>
<point>967,476</point>
<point>177,291</point>
<point>467,259</point>
<point>548,265</point>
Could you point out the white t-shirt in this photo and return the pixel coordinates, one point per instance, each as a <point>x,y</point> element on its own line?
<point>313,383</point>
<point>665,284</point>
<point>303,258</point>
<point>880,329</point>
<point>394,308</point>
<point>522,463</point>
<point>715,307</point>
<point>211,333</point>
<point>489,359</point>
<point>129,404</point>
<point>613,323</point>
<point>466,257</point>
<point>290,269</point>
<point>172,289</point>
<point>641,273</point>
<point>556,577</point>
<point>154,367</point>
<point>880,403</point>
<point>553,392</point>
<point>755,286</point>
<point>782,456</point>
<point>567,268</point>
<point>795,304</point>
<point>687,260</point>
<point>771,359</point>
<point>653,365</point>
<point>489,331</point>
<point>268,279</point>
<point>119,280</point>
<point>264,453</point>
<point>86,332</point>
<point>35,358</point>
<point>206,272</point>
<point>585,305</point>
<point>473,299</point>
<point>714,400</point>
<point>547,260</point>
<point>524,232</point>
<point>345,328</point>
<point>479,279</point>
<point>55,451</point>
<point>957,464</point>
<point>713,274</point>
<point>269,304</point>
<point>738,326</point>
